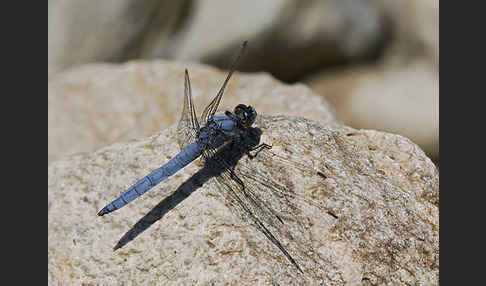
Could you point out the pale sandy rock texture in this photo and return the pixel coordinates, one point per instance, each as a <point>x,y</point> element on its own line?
<point>400,92</point>
<point>98,104</point>
<point>397,99</point>
<point>292,40</point>
<point>362,207</point>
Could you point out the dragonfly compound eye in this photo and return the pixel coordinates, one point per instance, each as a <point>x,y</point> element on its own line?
<point>240,111</point>
<point>250,115</point>
<point>247,114</point>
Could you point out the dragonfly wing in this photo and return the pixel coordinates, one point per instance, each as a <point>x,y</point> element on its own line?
<point>213,105</point>
<point>242,203</point>
<point>188,124</point>
<point>267,159</point>
<point>269,213</point>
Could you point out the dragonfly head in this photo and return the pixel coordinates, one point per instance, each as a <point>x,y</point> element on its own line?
<point>247,114</point>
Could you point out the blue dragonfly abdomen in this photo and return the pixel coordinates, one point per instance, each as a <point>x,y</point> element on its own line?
<point>186,156</point>
<point>224,126</point>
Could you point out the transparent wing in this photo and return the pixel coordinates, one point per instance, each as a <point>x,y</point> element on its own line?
<point>264,159</point>
<point>213,105</point>
<point>263,202</point>
<point>188,124</point>
<point>243,204</point>
<point>272,186</point>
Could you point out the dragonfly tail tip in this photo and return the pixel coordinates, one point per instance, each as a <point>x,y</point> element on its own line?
<point>102,212</point>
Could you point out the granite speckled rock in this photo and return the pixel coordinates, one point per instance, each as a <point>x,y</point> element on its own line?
<point>95,105</point>
<point>370,213</point>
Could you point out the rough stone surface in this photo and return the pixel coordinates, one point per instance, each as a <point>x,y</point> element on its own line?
<point>397,99</point>
<point>370,213</point>
<point>98,104</point>
<point>399,93</point>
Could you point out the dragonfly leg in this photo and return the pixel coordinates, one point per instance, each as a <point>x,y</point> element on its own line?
<point>258,149</point>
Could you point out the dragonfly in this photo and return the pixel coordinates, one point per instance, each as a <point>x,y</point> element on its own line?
<point>221,142</point>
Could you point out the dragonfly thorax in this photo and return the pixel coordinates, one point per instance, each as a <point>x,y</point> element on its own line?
<point>217,130</point>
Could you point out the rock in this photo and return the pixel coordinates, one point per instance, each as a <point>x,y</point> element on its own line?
<point>366,202</point>
<point>81,32</point>
<point>415,26</point>
<point>400,92</point>
<point>98,104</point>
<point>287,38</point>
<point>402,100</point>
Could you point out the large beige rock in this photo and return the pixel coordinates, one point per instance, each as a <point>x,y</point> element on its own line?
<point>415,27</point>
<point>98,104</point>
<point>81,32</point>
<point>402,100</point>
<point>400,92</point>
<point>370,215</point>
<point>287,38</point>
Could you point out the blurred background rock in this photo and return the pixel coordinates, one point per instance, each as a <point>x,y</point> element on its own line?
<point>376,62</point>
